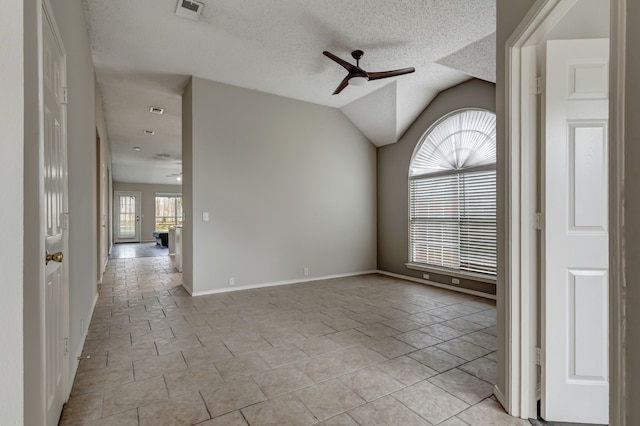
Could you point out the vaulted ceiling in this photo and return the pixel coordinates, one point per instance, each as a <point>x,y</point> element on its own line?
<point>144,55</point>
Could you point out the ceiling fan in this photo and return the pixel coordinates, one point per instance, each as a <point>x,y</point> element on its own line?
<point>357,76</point>
<point>178,176</point>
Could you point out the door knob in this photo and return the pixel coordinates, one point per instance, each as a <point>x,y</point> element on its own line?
<point>56,257</point>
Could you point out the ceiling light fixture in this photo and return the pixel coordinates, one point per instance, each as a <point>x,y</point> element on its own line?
<point>156,110</point>
<point>148,132</point>
<point>357,81</point>
<point>136,148</point>
<point>179,178</point>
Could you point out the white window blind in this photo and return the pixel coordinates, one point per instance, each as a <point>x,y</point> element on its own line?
<point>453,205</point>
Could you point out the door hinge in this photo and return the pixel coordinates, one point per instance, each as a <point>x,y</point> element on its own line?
<point>538,221</point>
<point>64,98</point>
<point>539,85</point>
<point>539,357</point>
<point>66,346</point>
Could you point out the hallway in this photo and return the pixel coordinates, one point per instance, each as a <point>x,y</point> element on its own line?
<point>360,350</point>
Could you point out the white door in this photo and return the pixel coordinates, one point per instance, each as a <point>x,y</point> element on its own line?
<point>54,178</point>
<point>575,313</point>
<point>127,217</point>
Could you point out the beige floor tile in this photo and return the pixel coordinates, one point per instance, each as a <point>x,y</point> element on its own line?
<point>377,330</point>
<point>240,345</point>
<point>463,325</point>
<point>282,355</point>
<point>387,411</point>
<point>152,336</point>
<point>151,367</point>
<point>371,383</point>
<point>82,408</point>
<point>406,370</point>
<point>176,344</point>
<point>463,349</point>
<point>483,368</point>
<point>342,323</point>
<point>350,338</point>
<point>205,357</point>
<point>454,421</point>
<point>315,329</point>
<point>97,380</point>
<point>402,324</point>
<point>241,366</point>
<point>185,409</point>
<point>390,347</point>
<point>430,402</point>
<point>482,339</point>
<point>318,346</point>
<point>286,410</point>
<point>464,386</point>
<point>328,399</point>
<point>341,420</point>
<point>489,412</point>
<point>418,339</point>
<point>324,367</point>
<point>122,398</point>
<point>426,318</point>
<point>437,359</point>
<point>442,331</point>
<point>281,380</point>
<point>358,357</point>
<point>486,319</point>
<point>282,336</point>
<point>128,418</point>
<point>232,419</point>
<point>192,379</point>
<point>368,318</point>
<point>132,353</point>
<point>232,396</point>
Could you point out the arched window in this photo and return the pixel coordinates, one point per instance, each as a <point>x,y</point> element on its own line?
<point>452,194</point>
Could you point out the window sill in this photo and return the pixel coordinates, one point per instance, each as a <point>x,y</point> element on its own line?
<point>436,270</point>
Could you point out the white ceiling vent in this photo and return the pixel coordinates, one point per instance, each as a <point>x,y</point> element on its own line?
<point>189,9</point>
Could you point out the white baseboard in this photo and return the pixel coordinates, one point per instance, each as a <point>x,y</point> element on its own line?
<point>275,283</point>
<point>500,397</point>
<point>440,285</point>
<point>76,361</point>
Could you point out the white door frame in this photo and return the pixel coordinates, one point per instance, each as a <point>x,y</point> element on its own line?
<point>116,218</point>
<point>521,130</point>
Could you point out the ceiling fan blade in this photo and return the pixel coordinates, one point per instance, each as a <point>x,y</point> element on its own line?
<point>387,74</point>
<point>346,65</point>
<point>344,83</point>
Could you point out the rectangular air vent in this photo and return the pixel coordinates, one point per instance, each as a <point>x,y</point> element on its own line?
<point>189,9</point>
<point>156,110</point>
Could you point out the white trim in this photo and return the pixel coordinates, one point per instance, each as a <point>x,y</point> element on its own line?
<point>273,284</point>
<point>519,397</point>
<point>439,285</point>
<point>499,396</point>
<point>442,271</point>
<point>76,361</point>
<point>617,283</point>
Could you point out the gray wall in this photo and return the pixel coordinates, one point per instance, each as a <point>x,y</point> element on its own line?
<point>187,186</point>
<point>393,172</point>
<point>287,185</point>
<point>81,137</point>
<point>148,203</point>
<point>632,214</point>
<point>11,170</point>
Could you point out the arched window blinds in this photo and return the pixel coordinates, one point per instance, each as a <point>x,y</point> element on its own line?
<point>452,193</point>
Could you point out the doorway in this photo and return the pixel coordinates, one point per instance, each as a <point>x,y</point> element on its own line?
<point>533,321</point>
<point>127,216</point>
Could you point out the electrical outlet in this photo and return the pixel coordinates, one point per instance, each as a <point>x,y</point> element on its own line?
<point>455,281</point>
<point>425,276</point>
<point>232,281</point>
<point>305,271</point>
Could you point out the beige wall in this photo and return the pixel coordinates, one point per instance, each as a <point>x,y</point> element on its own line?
<point>11,171</point>
<point>106,197</point>
<point>393,172</point>
<point>187,187</point>
<point>147,203</point>
<point>287,185</point>
<point>509,14</point>
<point>632,213</point>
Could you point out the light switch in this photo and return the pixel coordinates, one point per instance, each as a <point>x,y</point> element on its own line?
<point>205,216</point>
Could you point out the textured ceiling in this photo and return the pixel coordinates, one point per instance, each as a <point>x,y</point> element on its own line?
<point>144,55</point>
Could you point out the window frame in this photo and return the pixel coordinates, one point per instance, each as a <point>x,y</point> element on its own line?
<point>475,276</point>
<point>176,196</point>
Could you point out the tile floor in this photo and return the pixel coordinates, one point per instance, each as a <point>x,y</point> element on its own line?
<point>366,350</point>
<point>135,250</point>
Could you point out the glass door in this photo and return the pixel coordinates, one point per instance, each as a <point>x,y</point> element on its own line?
<point>127,217</point>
